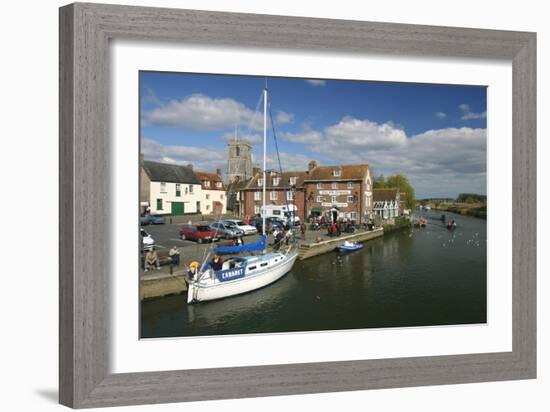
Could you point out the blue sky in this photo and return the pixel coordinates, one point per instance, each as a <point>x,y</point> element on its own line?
<point>435,134</point>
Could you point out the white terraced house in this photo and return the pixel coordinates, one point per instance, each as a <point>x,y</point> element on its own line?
<point>168,189</point>
<point>214,197</point>
<point>387,203</point>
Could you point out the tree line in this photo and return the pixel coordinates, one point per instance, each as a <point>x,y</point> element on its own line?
<point>400,182</point>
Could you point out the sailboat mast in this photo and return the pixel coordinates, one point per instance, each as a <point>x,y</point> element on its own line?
<point>265,152</point>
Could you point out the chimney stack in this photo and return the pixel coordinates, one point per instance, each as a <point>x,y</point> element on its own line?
<point>255,170</point>
<point>219,172</point>
<point>190,166</point>
<point>311,165</point>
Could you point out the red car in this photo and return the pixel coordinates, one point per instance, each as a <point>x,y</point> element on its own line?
<point>199,233</point>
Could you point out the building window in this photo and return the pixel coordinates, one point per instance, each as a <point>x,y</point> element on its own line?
<point>353,215</point>
<point>162,187</point>
<point>207,183</point>
<point>289,195</point>
<point>256,209</point>
<point>335,185</point>
<point>207,196</point>
<point>198,207</point>
<point>221,196</point>
<point>190,188</point>
<point>207,207</point>
<point>178,190</point>
<point>320,199</point>
<point>219,185</point>
<point>260,182</point>
<point>159,204</point>
<point>319,185</point>
<point>275,181</point>
<point>350,185</point>
<point>237,151</point>
<point>334,199</point>
<point>273,195</point>
<point>350,199</point>
<point>257,195</point>
<point>292,180</point>
<point>336,173</point>
<point>186,190</point>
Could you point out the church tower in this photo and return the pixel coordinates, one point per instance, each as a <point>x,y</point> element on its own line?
<point>239,163</point>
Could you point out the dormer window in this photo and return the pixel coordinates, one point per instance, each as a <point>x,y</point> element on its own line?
<point>260,182</point>
<point>207,183</point>
<point>219,185</point>
<point>292,180</point>
<point>336,173</point>
<point>275,181</point>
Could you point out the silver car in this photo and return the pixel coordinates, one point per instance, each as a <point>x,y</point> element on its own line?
<point>241,225</point>
<point>227,231</point>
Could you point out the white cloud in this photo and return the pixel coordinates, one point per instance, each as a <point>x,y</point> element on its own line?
<point>353,133</point>
<point>289,161</point>
<point>467,113</point>
<point>252,137</point>
<point>200,112</point>
<point>283,117</point>
<point>306,137</point>
<point>449,161</point>
<point>150,97</point>
<point>316,82</point>
<point>206,159</point>
<point>440,115</point>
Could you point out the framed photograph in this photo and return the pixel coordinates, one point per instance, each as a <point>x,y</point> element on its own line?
<point>257,205</point>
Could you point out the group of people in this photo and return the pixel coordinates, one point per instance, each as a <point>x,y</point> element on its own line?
<point>281,236</point>
<point>216,264</point>
<point>152,260</point>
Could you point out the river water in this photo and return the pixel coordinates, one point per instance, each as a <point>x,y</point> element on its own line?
<point>410,277</point>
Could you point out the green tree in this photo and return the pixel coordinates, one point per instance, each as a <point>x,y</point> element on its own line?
<point>379,182</point>
<point>401,182</point>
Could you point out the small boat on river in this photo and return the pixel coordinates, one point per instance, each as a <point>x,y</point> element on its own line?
<point>420,222</point>
<point>349,246</point>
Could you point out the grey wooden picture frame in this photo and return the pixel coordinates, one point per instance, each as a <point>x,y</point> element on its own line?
<point>84,358</point>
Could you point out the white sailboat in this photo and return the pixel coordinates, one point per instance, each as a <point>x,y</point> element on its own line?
<point>244,273</point>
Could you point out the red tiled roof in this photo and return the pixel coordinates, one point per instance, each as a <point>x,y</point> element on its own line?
<point>213,178</point>
<point>253,183</point>
<point>347,172</point>
<point>381,195</point>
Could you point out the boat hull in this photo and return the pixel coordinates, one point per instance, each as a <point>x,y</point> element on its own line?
<point>200,293</point>
<point>349,248</point>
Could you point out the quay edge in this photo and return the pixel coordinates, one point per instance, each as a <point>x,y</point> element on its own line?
<point>308,250</point>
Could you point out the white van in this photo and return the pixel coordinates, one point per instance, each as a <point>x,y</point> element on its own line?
<point>283,213</point>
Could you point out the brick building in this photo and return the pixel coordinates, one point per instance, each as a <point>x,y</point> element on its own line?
<point>343,191</point>
<point>281,189</point>
<point>334,191</point>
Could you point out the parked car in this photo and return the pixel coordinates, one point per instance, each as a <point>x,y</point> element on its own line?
<point>239,224</point>
<point>147,241</point>
<point>226,231</point>
<point>200,233</point>
<point>152,220</point>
